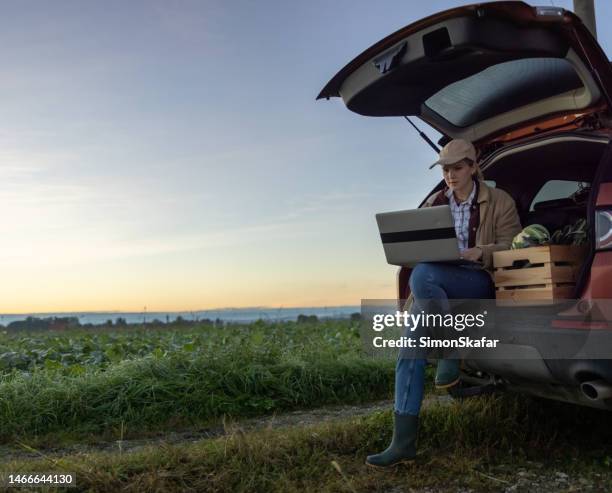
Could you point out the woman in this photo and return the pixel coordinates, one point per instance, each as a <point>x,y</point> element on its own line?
<point>486,220</point>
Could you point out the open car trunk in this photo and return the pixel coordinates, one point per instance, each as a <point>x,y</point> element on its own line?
<point>550,180</point>
<point>524,171</point>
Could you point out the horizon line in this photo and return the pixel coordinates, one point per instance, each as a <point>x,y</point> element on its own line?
<point>89,312</point>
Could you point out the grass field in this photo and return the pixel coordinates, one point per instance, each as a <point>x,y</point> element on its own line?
<point>78,387</point>
<point>76,384</point>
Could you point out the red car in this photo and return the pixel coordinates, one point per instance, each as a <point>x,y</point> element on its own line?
<point>532,89</point>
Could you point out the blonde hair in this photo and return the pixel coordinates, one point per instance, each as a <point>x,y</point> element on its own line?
<point>477,171</point>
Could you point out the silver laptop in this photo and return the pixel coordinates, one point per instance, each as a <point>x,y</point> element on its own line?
<point>419,235</point>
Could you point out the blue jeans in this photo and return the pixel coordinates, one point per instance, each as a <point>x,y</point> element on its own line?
<point>434,281</point>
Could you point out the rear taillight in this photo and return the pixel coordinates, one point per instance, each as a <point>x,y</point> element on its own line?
<point>603,229</point>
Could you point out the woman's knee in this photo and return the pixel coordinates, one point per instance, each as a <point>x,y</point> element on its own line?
<point>422,274</point>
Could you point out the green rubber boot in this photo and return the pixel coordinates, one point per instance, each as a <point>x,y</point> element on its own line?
<point>403,444</point>
<point>447,373</point>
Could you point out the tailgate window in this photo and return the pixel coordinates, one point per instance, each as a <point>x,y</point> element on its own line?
<point>502,88</point>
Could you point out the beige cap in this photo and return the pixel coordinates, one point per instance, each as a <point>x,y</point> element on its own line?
<point>455,151</point>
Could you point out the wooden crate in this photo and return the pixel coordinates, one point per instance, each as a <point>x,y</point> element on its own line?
<point>549,277</point>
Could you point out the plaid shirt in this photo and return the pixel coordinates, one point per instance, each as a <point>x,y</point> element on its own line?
<point>461,215</point>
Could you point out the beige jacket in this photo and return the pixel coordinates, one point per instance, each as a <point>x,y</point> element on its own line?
<point>499,224</point>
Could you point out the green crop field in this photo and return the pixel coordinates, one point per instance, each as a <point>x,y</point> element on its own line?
<point>79,382</point>
<point>76,350</point>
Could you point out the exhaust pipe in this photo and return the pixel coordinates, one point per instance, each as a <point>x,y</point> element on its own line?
<point>596,390</point>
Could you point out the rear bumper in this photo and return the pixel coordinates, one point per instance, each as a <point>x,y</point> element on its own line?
<point>555,391</point>
<point>531,344</point>
<point>566,372</point>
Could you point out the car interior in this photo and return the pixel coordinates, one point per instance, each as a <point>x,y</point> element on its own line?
<point>549,180</point>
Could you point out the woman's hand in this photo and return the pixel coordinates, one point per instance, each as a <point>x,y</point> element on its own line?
<point>472,254</point>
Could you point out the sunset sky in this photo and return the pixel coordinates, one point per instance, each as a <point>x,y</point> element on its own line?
<point>171,154</point>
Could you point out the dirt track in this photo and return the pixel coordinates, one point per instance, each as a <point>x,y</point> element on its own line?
<point>293,418</point>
